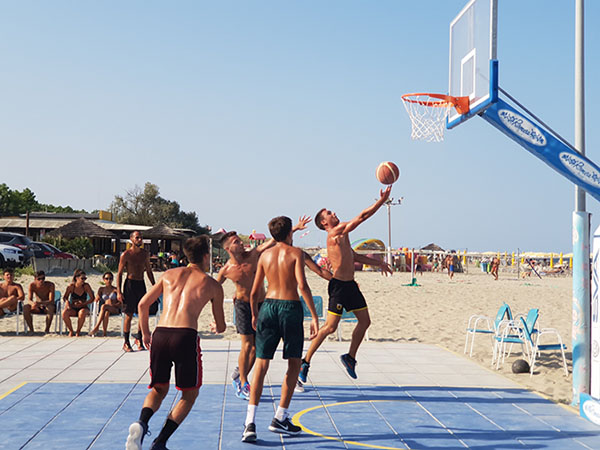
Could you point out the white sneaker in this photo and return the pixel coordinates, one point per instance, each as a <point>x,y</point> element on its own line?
<point>137,431</point>
<point>299,386</point>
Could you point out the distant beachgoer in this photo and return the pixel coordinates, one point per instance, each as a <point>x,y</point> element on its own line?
<point>136,261</point>
<point>186,291</point>
<point>495,265</point>
<point>436,264</point>
<point>450,265</point>
<point>10,293</point>
<point>77,297</point>
<point>109,303</point>
<point>344,293</point>
<point>40,301</point>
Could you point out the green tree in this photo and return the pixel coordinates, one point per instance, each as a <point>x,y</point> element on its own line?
<point>14,202</point>
<point>146,207</point>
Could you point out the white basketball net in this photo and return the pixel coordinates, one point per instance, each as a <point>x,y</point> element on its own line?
<point>428,117</point>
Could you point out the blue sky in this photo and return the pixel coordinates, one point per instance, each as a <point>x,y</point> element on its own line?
<point>244,110</point>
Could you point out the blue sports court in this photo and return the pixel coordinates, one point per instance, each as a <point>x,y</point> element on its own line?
<point>83,393</point>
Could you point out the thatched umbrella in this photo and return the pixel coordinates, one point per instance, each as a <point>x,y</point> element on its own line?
<point>163,231</point>
<point>82,228</point>
<point>433,247</point>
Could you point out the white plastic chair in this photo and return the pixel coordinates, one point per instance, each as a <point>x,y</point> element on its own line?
<point>480,324</point>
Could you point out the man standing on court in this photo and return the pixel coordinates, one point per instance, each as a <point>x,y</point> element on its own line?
<point>343,290</point>
<point>136,261</point>
<point>281,316</point>
<point>240,269</point>
<point>185,290</point>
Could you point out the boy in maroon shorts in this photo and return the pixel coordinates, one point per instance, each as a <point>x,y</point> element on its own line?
<point>185,291</point>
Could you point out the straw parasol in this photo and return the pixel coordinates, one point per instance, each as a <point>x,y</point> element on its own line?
<point>433,247</point>
<point>82,228</point>
<point>163,231</point>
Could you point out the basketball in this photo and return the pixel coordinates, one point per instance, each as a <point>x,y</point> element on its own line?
<point>520,366</point>
<point>387,172</point>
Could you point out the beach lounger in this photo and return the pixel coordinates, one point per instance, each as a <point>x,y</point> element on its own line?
<point>480,324</point>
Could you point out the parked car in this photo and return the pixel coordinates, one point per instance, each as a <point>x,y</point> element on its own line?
<point>40,250</point>
<point>11,256</point>
<point>19,241</point>
<point>56,252</point>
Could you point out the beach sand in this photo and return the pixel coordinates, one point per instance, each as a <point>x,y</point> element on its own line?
<point>436,312</point>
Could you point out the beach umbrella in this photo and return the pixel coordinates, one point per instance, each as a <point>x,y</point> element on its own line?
<point>433,247</point>
<point>163,231</point>
<point>82,228</point>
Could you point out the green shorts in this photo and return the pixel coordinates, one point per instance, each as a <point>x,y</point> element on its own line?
<point>279,319</point>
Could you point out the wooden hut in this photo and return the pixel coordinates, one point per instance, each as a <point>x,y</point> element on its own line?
<point>101,239</point>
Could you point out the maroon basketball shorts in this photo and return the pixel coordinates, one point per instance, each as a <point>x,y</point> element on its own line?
<point>179,346</point>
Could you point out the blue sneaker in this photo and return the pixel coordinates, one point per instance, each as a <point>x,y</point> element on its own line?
<point>303,371</point>
<point>350,364</point>
<point>237,385</point>
<point>246,391</point>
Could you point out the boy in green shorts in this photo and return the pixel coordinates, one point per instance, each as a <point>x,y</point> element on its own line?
<point>280,317</point>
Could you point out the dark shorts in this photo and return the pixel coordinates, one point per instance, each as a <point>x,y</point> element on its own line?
<point>280,319</point>
<point>133,291</point>
<point>451,268</point>
<point>243,317</point>
<point>182,347</point>
<point>344,295</point>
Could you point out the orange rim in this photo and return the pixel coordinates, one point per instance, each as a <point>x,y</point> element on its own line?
<point>461,104</point>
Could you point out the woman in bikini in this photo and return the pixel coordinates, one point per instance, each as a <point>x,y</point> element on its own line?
<point>107,296</point>
<point>77,297</point>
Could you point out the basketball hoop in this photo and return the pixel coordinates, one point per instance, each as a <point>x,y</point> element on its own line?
<point>428,113</point>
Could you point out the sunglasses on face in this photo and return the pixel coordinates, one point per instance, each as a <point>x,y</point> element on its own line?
<point>108,278</point>
<point>40,279</point>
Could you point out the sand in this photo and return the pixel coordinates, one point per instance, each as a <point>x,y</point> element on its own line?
<point>436,312</point>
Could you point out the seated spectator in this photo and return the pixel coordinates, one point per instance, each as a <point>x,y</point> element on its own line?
<point>77,297</point>
<point>10,293</point>
<point>109,304</point>
<point>40,301</point>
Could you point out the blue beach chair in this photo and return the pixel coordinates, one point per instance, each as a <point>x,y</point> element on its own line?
<point>512,333</point>
<point>537,348</point>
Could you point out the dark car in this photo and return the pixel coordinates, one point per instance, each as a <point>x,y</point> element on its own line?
<point>40,250</point>
<point>56,252</point>
<point>20,241</point>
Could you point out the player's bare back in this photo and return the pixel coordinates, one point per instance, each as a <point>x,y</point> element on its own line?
<point>186,291</point>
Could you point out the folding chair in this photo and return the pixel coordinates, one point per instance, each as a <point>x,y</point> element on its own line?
<point>512,333</point>
<point>57,314</point>
<point>537,348</point>
<point>485,325</point>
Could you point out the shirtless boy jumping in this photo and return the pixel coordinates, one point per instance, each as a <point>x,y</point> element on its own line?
<point>281,317</point>
<point>185,290</point>
<point>343,290</point>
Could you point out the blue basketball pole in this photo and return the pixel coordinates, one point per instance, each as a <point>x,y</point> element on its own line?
<point>581,233</point>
